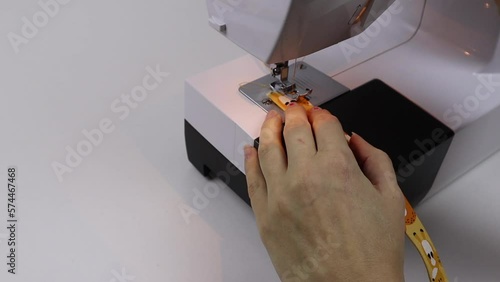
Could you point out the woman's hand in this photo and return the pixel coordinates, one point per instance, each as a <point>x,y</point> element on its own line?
<point>326,209</point>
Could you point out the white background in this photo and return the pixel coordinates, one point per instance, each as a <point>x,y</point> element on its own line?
<point>119,210</point>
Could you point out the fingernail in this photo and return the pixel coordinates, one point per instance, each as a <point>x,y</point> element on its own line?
<point>355,134</point>
<point>248,151</point>
<point>316,108</point>
<point>347,137</point>
<point>271,114</point>
<point>292,104</point>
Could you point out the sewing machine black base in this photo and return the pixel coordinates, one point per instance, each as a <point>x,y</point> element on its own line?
<point>415,141</point>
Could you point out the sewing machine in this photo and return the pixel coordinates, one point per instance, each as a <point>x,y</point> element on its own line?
<point>418,79</point>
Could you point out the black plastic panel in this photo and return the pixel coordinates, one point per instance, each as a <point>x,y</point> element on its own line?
<point>415,141</point>
<point>211,163</point>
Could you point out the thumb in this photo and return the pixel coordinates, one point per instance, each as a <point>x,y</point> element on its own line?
<point>375,164</point>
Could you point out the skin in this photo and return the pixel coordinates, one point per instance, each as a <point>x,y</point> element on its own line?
<point>326,209</point>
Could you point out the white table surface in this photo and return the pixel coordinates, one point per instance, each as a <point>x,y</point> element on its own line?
<point>117,215</point>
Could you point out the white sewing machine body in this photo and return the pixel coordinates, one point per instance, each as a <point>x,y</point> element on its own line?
<point>442,55</point>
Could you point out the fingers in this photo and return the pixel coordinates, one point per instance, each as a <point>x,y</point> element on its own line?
<point>257,189</point>
<point>271,153</point>
<point>375,164</point>
<point>327,130</point>
<point>299,139</point>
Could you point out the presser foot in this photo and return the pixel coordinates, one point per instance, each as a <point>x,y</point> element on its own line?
<point>308,82</point>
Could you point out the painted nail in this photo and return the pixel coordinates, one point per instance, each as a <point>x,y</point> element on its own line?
<point>292,104</point>
<point>316,108</point>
